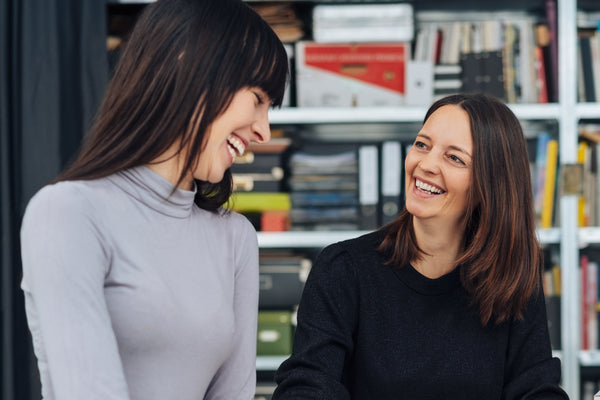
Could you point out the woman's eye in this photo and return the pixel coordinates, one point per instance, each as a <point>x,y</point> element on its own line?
<point>456,159</point>
<point>419,144</point>
<point>258,98</point>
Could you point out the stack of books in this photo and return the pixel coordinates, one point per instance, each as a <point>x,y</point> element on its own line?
<point>259,185</point>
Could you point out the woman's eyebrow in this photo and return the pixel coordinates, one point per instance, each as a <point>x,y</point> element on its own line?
<point>453,147</point>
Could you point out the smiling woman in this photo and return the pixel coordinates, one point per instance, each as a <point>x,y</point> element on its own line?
<point>138,284</point>
<point>445,302</point>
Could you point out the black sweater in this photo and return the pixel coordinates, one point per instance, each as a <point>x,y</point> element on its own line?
<point>368,331</point>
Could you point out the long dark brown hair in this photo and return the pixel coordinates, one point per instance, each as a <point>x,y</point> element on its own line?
<point>182,65</point>
<point>501,259</point>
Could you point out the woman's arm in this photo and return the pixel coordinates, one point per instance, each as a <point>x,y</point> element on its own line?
<point>236,379</point>
<point>531,371</point>
<point>64,267</point>
<point>323,343</point>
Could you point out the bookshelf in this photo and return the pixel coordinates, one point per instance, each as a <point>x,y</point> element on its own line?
<point>588,237</point>
<point>567,113</point>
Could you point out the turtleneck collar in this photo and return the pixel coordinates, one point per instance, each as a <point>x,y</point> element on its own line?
<point>156,192</point>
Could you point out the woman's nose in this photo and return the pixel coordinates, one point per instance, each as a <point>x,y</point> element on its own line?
<point>261,127</point>
<point>430,162</point>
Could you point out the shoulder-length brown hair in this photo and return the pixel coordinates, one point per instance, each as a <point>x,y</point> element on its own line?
<point>501,259</point>
<point>183,63</point>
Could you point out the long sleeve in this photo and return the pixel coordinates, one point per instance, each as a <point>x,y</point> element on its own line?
<point>531,372</point>
<point>64,267</point>
<point>367,330</point>
<point>236,379</point>
<point>323,345</point>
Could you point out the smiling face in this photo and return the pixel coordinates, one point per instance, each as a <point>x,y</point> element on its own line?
<point>438,167</point>
<point>244,121</point>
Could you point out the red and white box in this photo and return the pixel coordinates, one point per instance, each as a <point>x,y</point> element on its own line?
<point>351,74</point>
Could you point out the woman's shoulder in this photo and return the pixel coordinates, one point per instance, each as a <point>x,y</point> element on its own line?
<point>360,252</point>
<point>229,222</point>
<point>66,198</point>
<point>365,245</point>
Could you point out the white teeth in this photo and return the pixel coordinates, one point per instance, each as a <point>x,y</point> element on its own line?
<point>428,188</point>
<point>236,146</point>
<point>231,151</point>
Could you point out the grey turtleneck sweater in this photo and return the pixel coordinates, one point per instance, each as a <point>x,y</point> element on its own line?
<point>132,292</point>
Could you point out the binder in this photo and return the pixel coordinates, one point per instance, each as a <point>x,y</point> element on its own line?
<point>391,180</point>
<point>282,281</point>
<point>419,83</point>
<point>471,66</point>
<point>493,74</point>
<point>368,186</point>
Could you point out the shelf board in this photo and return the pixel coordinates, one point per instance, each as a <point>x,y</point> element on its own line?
<point>588,110</point>
<point>304,239</point>
<point>589,235</point>
<point>269,363</point>
<point>549,236</point>
<point>339,115</point>
<point>589,358</point>
<point>332,115</point>
<point>318,239</point>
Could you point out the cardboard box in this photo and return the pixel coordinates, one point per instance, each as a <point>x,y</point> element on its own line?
<point>274,336</point>
<point>351,75</point>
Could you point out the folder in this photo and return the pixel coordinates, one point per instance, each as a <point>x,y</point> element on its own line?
<point>368,186</point>
<point>391,180</point>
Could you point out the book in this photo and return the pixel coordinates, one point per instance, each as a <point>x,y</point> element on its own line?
<point>584,203</point>
<point>363,23</point>
<point>351,74</point>
<point>260,201</point>
<point>446,79</point>
<point>550,184</point>
<point>587,68</point>
<point>553,316</point>
<point>541,81</point>
<point>551,16</point>
<point>510,37</point>
<point>540,172</point>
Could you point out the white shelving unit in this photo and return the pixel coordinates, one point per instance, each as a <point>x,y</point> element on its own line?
<point>568,237</point>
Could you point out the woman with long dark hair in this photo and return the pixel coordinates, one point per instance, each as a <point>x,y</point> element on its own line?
<point>446,301</point>
<point>138,285</point>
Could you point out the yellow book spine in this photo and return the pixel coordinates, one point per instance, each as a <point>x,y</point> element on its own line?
<point>259,201</point>
<point>556,280</point>
<point>549,184</point>
<point>582,150</point>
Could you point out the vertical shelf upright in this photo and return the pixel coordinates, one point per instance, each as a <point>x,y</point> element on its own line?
<point>569,253</point>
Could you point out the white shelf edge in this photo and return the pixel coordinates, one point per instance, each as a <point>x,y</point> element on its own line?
<point>269,363</point>
<point>589,235</point>
<point>328,115</point>
<point>548,236</point>
<point>589,358</point>
<point>317,239</point>
<point>345,115</point>
<point>304,239</point>
<point>588,110</point>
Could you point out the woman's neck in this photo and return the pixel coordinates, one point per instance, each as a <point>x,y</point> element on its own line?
<point>441,245</point>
